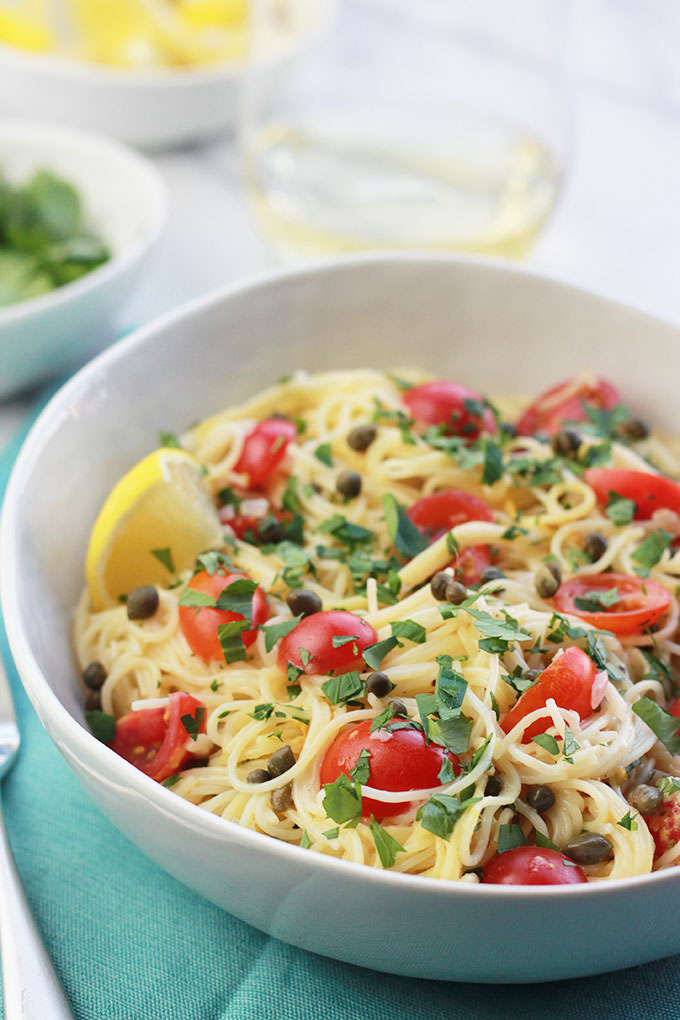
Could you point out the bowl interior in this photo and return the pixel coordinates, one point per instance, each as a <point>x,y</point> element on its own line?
<point>495,328</point>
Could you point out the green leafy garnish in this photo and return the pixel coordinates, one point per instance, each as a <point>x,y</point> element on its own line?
<point>410,630</point>
<point>102,725</point>
<point>619,510</point>
<point>324,454</point>
<point>545,842</point>
<point>192,723</point>
<point>373,655</point>
<point>650,551</point>
<point>547,742</point>
<point>628,822</point>
<point>597,600</point>
<point>493,463</point>
<point>196,599</point>
<point>169,440</point>
<point>498,634</point>
<point>342,799</point>
<point>404,535</point>
<point>231,642</point>
<point>385,844</point>
<point>305,842</point>
<point>661,723</point>
<point>360,772</point>
<point>510,836</point>
<point>237,597</point>
<point>668,785</point>
<point>343,688</point>
<point>441,812</point>
<point>273,632</point>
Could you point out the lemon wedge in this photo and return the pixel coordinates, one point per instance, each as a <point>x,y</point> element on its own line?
<point>154,523</point>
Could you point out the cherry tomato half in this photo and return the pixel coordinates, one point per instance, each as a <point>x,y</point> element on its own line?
<point>664,826</point>
<point>154,739</point>
<point>443,402</point>
<point>403,761</point>
<point>533,865</point>
<point>568,680</point>
<point>649,492</point>
<point>264,448</point>
<point>200,626</point>
<point>438,512</point>
<point>563,403</point>
<point>641,602</point>
<point>314,634</point>
<point>248,526</point>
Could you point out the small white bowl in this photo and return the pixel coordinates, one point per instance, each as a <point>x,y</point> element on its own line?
<point>124,200</point>
<point>154,108</point>
<point>497,328</point>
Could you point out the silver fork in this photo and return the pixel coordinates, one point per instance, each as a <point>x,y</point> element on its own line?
<point>31,989</point>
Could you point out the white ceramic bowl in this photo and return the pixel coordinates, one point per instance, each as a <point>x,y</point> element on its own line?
<point>497,328</point>
<point>154,108</point>
<point>124,201</point>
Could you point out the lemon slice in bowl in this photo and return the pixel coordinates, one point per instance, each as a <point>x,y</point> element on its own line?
<point>154,523</point>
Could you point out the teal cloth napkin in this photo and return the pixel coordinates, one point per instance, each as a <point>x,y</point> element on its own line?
<point>131,943</point>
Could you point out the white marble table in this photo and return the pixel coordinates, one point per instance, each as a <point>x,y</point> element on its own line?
<point>616,228</point>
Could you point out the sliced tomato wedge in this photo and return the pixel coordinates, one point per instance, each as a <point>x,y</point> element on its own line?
<point>648,491</point>
<point>401,760</point>
<point>263,450</point>
<point>154,739</point>
<point>448,403</point>
<point>201,626</point>
<point>330,641</point>
<point>564,402</point>
<point>533,865</point>
<point>568,680</point>
<point>438,512</point>
<point>664,826</point>
<point>641,602</point>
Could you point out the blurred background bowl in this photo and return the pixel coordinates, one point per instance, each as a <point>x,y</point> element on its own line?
<point>124,204</point>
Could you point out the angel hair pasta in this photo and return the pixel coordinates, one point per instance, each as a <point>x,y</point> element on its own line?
<point>436,634</point>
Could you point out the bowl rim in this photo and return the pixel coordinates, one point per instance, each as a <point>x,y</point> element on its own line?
<point>150,183</point>
<point>104,762</point>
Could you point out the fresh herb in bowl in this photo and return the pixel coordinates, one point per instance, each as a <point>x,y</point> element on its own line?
<point>44,240</point>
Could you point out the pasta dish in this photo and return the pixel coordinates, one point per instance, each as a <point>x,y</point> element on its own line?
<point>434,633</point>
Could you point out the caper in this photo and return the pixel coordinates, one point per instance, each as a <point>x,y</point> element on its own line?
<point>589,848</point>
<point>361,437</point>
<point>494,785</point>
<point>348,484</point>
<point>282,798</point>
<point>379,684</point>
<point>532,675</point>
<point>594,545</point>
<point>566,442</point>
<point>303,602</point>
<point>93,701</point>
<point>645,799</point>
<point>270,530</point>
<point>547,579</point>
<point>540,798</point>
<point>509,428</point>
<point>490,574</point>
<point>399,708</point>
<point>94,675</point>
<point>439,584</point>
<point>281,760</point>
<point>259,776</point>
<point>633,429</point>
<point>142,602</point>
<point>455,593</point>
<point>199,763</point>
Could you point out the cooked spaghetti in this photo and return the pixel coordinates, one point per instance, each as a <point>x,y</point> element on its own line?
<point>459,656</point>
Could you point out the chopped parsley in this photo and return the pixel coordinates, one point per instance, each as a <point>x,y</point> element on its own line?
<point>547,742</point>
<point>410,630</point>
<point>305,842</point>
<point>324,454</point>
<point>597,600</point>
<point>373,655</point>
<point>441,812</point>
<point>262,712</point>
<point>164,556</point>
<point>102,725</point>
<point>169,440</point>
<point>343,688</point>
<point>237,597</point>
<point>510,836</point>
<point>661,723</point>
<point>493,463</point>
<point>668,785</point>
<point>342,800</point>
<point>628,822</point>
<point>404,535</point>
<point>192,723</point>
<point>650,551</point>
<point>619,510</point>
<point>360,772</point>
<point>231,640</point>
<point>499,635</point>
<point>385,844</point>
